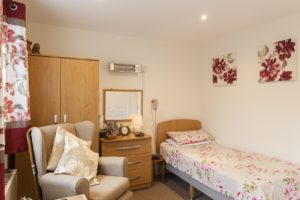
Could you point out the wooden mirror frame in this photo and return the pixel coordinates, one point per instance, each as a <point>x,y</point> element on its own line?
<point>121,90</point>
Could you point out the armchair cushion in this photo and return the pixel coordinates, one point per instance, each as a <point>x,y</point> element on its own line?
<point>77,159</point>
<point>113,166</point>
<point>59,186</point>
<point>42,142</point>
<point>110,188</point>
<point>58,148</point>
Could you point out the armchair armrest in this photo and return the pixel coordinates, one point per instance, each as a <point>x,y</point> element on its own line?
<point>61,185</point>
<point>113,166</point>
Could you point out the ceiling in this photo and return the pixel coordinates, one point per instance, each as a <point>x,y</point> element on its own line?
<point>173,20</point>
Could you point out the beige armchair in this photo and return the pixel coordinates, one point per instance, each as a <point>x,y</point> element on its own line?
<point>112,171</point>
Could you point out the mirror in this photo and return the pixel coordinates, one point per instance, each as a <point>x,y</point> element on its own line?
<point>119,104</point>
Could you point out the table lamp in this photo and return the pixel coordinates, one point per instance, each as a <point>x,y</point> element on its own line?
<point>137,124</point>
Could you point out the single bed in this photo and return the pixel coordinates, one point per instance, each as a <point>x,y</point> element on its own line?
<point>223,173</point>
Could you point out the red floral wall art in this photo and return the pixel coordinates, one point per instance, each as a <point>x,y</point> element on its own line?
<point>277,61</point>
<point>224,70</point>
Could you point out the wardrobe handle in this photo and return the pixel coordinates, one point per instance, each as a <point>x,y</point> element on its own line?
<point>65,118</point>
<point>55,121</point>
<point>133,162</point>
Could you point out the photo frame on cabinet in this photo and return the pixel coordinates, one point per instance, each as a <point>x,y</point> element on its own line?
<point>112,127</point>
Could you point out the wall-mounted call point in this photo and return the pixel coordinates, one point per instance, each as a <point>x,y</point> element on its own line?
<point>154,103</point>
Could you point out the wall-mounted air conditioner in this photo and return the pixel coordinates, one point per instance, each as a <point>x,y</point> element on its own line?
<point>114,67</point>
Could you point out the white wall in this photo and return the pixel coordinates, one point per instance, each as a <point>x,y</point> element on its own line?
<point>170,68</point>
<point>251,116</point>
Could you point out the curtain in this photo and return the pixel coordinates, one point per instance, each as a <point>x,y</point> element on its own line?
<point>14,89</point>
<point>2,188</point>
<point>1,174</point>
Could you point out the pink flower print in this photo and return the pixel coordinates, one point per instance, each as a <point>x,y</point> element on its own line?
<point>286,76</point>
<point>285,48</point>
<point>271,69</point>
<point>258,169</point>
<point>9,87</point>
<point>291,187</point>
<point>230,76</point>
<point>219,66</point>
<point>10,34</point>
<point>8,104</point>
<point>21,116</point>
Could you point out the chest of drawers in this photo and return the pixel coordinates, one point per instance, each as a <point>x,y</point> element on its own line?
<point>138,152</point>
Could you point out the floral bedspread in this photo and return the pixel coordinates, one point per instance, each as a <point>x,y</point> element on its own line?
<point>236,174</point>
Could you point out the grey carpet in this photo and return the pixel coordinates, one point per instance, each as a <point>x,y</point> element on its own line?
<point>172,189</point>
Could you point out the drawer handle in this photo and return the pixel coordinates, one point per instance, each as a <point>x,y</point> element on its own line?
<point>126,148</point>
<point>133,162</point>
<point>134,178</point>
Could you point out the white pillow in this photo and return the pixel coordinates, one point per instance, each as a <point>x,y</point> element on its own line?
<point>58,148</point>
<point>77,159</point>
<point>189,137</point>
<point>175,144</point>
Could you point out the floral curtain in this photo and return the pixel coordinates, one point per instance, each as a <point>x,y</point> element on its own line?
<point>1,122</point>
<point>14,90</point>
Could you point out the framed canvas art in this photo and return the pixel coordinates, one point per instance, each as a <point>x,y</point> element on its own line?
<point>224,70</point>
<point>277,61</point>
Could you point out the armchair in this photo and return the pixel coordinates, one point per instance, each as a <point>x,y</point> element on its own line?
<point>112,171</point>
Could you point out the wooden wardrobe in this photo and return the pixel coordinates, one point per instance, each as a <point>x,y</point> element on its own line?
<point>61,90</point>
<point>64,90</point>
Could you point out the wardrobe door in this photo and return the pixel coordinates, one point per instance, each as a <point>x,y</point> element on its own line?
<point>80,92</point>
<point>44,88</point>
<point>44,84</point>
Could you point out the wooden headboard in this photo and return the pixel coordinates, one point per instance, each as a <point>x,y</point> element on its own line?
<point>174,125</point>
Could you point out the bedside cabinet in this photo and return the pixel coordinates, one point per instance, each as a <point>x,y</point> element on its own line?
<point>138,152</point>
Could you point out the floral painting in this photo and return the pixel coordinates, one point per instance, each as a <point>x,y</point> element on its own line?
<point>277,61</point>
<point>224,70</point>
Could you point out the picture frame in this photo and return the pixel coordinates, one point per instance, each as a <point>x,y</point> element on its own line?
<point>112,127</point>
<point>224,69</point>
<point>278,61</point>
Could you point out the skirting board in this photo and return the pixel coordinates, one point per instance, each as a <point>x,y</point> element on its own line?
<point>201,187</point>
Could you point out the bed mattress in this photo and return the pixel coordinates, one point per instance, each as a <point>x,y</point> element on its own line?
<point>236,174</point>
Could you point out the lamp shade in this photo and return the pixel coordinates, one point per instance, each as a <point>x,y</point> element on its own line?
<point>137,122</point>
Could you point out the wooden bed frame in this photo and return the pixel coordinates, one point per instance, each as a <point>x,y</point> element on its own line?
<point>185,125</point>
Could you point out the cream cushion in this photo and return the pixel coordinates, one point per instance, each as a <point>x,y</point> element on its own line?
<point>58,148</point>
<point>77,159</point>
<point>110,188</point>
